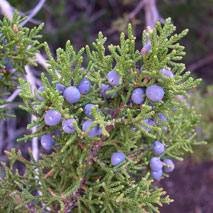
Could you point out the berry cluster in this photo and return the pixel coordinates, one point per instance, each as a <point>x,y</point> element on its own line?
<point>156,165</point>
<point>115,121</point>
<point>72,95</point>
<point>114,80</point>
<point>154,93</point>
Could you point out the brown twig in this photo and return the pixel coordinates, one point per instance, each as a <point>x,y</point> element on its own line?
<point>117,111</point>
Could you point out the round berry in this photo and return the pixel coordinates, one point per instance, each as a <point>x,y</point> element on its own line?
<point>84,86</point>
<point>149,122</point>
<point>87,110</point>
<point>104,89</point>
<point>47,141</point>
<point>72,94</point>
<point>170,164</point>
<point>60,87</point>
<point>146,48</point>
<point>94,131</point>
<point>155,93</point>
<point>40,89</point>
<point>136,96</point>
<point>167,73</point>
<point>52,117</point>
<point>156,164</point>
<point>113,78</point>
<point>158,147</point>
<point>157,174</point>
<point>117,158</point>
<point>68,126</point>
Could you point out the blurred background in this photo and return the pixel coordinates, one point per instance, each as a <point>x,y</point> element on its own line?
<point>191,184</point>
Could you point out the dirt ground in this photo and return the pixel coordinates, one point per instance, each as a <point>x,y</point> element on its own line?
<point>191,187</point>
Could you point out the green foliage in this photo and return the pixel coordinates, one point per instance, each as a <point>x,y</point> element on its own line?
<point>18,46</point>
<point>78,176</point>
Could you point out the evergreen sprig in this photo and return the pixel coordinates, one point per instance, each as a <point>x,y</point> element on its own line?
<point>18,46</point>
<point>78,176</point>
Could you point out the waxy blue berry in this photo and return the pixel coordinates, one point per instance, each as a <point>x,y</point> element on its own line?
<point>167,73</point>
<point>94,131</point>
<point>155,93</point>
<point>104,89</point>
<point>40,89</point>
<point>117,158</point>
<point>87,110</point>
<point>146,48</point>
<point>157,174</point>
<point>113,78</point>
<point>72,94</point>
<point>60,87</point>
<point>169,163</point>
<point>156,164</point>
<point>136,96</point>
<point>47,142</point>
<point>52,117</point>
<point>158,147</point>
<point>84,86</point>
<point>67,125</point>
